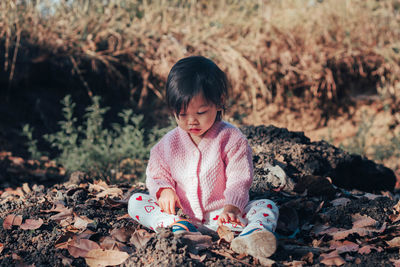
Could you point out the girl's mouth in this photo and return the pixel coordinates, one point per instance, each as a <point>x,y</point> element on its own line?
<point>194,130</point>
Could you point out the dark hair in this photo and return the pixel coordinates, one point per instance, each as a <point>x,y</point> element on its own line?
<point>191,76</point>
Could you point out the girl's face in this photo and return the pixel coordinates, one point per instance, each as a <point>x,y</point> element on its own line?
<point>198,118</point>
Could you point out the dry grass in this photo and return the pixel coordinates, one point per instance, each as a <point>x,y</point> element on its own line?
<point>270,49</point>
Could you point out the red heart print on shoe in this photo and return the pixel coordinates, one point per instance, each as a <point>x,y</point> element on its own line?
<point>269,206</point>
<point>215,218</point>
<point>139,198</point>
<point>265,214</point>
<point>137,217</point>
<point>149,208</point>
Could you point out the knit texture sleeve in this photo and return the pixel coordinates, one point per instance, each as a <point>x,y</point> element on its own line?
<point>157,173</point>
<point>239,174</point>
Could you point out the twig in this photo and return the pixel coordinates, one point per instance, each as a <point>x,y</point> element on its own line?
<point>78,71</point>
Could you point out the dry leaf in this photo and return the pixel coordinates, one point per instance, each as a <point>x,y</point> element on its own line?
<point>362,221</point>
<point>110,192</point>
<point>109,243</point>
<point>58,208</point>
<point>80,247</point>
<point>99,257</point>
<point>122,234</point>
<point>62,241</point>
<point>196,242</point>
<point>266,261</point>
<point>67,213</point>
<point>332,258</point>
<point>197,257</point>
<point>397,207</point>
<point>98,186</point>
<point>10,220</point>
<point>31,224</point>
<point>26,188</point>
<point>345,246</point>
<point>140,238</point>
<point>394,217</point>
<point>394,243</point>
<point>365,249</point>
<point>225,234</point>
<point>363,231</point>
<point>82,222</point>
<point>396,263</point>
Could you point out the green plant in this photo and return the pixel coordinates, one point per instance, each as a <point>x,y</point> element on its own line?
<point>107,153</point>
<point>389,149</point>
<point>27,132</point>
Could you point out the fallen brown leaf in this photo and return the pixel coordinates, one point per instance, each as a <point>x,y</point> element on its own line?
<point>109,243</point>
<point>197,257</point>
<point>196,243</point>
<point>26,188</point>
<point>122,234</point>
<point>394,243</point>
<point>115,192</point>
<point>140,238</point>
<point>267,262</point>
<point>31,224</point>
<point>62,241</point>
<point>57,208</point>
<point>10,220</point>
<point>81,222</point>
<point>365,249</point>
<point>332,258</point>
<point>309,257</point>
<point>225,234</point>
<point>345,246</point>
<point>98,186</point>
<point>80,247</point>
<point>67,213</point>
<point>99,257</point>
<point>362,220</point>
<point>396,263</point>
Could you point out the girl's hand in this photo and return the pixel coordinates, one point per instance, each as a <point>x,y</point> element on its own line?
<point>230,214</point>
<point>168,200</point>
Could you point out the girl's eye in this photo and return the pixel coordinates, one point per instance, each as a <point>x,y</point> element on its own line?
<point>200,113</point>
<point>182,115</point>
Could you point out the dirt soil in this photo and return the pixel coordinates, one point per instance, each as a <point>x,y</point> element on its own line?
<point>335,209</point>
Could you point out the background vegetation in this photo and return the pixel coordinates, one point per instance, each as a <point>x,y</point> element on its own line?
<point>321,52</point>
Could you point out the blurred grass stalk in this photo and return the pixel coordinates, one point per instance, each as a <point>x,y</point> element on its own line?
<point>269,49</point>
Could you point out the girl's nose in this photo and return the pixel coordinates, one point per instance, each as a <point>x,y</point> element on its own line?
<point>193,120</point>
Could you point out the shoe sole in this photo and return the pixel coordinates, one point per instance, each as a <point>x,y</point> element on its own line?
<point>257,244</point>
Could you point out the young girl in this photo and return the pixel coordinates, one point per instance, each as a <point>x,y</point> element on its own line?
<point>204,166</point>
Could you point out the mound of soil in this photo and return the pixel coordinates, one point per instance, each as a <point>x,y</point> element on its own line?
<point>83,222</point>
<point>299,157</point>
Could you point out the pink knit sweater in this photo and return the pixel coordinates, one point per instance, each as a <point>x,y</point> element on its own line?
<point>206,177</point>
